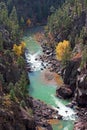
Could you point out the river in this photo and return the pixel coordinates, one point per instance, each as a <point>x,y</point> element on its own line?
<point>43,90</point>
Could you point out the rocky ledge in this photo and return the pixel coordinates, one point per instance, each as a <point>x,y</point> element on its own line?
<point>43,113</point>
<point>81,123</point>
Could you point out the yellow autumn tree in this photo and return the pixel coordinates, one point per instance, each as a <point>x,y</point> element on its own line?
<point>19,49</point>
<point>63,50</point>
<point>23,45</point>
<point>28,22</point>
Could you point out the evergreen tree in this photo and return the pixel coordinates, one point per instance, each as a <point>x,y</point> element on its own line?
<point>22,22</point>
<point>3,13</point>
<point>10,5</point>
<point>14,26</point>
<point>21,62</point>
<point>13,16</point>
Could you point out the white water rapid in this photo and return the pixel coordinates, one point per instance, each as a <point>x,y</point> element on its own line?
<point>66,112</point>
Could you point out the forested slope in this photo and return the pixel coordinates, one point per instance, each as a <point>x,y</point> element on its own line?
<point>36,10</point>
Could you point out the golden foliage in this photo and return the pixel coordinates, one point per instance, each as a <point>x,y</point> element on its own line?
<point>53,121</point>
<point>23,45</point>
<point>7,101</point>
<point>39,128</point>
<point>61,49</point>
<point>58,79</point>
<point>19,49</point>
<point>28,22</point>
<point>77,56</point>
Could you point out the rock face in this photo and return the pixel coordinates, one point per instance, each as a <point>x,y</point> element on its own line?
<point>81,97</point>
<point>75,83</point>
<point>14,117</point>
<point>70,74</point>
<point>81,123</point>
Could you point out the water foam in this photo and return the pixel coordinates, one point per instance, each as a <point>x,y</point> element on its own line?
<point>66,112</point>
<point>35,62</point>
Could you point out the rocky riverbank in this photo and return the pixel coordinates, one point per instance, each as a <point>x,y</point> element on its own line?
<point>74,86</point>
<point>81,123</point>
<point>49,57</point>
<point>43,113</point>
<point>29,114</point>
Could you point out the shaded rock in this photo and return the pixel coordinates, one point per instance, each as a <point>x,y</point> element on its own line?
<point>14,121</point>
<point>64,92</point>
<point>48,126</point>
<point>81,100</point>
<point>81,92</point>
<point>70,73</point>
<point>81,123</point>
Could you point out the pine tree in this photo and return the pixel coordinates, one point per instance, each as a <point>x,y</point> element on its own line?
<point>3,13</point>
<point>13,16</point>
<point>14,26</point>
<point>22,22</point>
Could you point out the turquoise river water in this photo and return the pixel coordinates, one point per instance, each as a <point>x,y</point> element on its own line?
<point>42,90</point>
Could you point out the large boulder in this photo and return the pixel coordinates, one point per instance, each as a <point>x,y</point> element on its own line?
<point>64,92</point>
